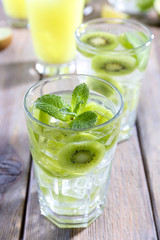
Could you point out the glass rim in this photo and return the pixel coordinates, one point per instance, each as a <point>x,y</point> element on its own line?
<point>116,20</point>
<point>41,82</point>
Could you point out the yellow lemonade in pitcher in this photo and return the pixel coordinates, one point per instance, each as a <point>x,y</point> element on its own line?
<point>15,8</point>
<point>52,24</point>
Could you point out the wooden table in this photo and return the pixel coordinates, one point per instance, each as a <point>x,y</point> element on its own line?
<point>133,204</point>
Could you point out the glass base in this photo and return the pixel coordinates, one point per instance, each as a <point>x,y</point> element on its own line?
<point>73,203</point>
<point>17,23</point>
<point>87,10</point>
<point>66,221</point>
<point>55,69</point>
<point>125,134</point>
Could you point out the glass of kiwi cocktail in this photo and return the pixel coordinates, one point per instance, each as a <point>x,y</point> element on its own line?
<point>73,131</point>
<point>116,50</point>
<point>52,24</point>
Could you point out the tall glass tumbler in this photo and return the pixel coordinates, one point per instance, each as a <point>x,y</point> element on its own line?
<point>72,190</point>
<point>16,12</point>
<point>116,50</point>
<point>52,24</point>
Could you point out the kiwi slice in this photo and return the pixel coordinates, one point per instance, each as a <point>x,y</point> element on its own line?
<point>99,40</point>
<point>41,116</point>
<point>113,82</point>
<point>115,65</point>
<point>100,87</point>
<point>5,37</point>
<point>144,5</point>
<point>132,40</point>
<point>103,113</point>
<point>81,157</point>
<point>118,86</point>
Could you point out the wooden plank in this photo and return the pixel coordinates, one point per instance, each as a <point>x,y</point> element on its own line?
<point>149,126</point>
<point>37,226</point>
<point>20,49</point>
<point>2,14</point>
<point>128,213</point>
<point>14,148</point>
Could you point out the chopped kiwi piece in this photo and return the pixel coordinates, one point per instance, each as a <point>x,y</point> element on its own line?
<point>144,5</point>
<point>113,82</point>
<point>132,40</point>
<point>81,157</point>
<point>98,40</point>
<point>103,113</point>
<point>82,137</point>
<point>5,37</point>
<point>41,116</point>
<point>100,86</point>
<point>114,65</point>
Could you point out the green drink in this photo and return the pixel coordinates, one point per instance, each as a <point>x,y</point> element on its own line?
<point>118,51</point>
<point>73,133</point>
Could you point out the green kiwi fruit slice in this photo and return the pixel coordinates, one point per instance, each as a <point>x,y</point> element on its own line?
<point>100,87</point>
<point>99,40</point>
<point>144,5</point>
<point>115,65</point>
<point>81,157</point>
<point>131,40</point>
<point>41,116</point>
<point>113,82</point>
<point>103,113</point>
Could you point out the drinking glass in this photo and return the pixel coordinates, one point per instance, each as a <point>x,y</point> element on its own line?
<point>88,9</point>
<point>16,12</point>
<point>52,24</point>
<point>72,195</point>
<point>116,50</point>
<point>135,7</point>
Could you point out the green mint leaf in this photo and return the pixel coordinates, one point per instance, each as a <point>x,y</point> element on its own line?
<point>54,100</point>
<point>79,98</point>
<point>55,107</point>
<point>84,120</point>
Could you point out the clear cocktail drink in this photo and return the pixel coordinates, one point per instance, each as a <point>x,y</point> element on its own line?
<point>16,11</point>
<point>52,25</point>
<point>73,161</point>
<point>117,51</point>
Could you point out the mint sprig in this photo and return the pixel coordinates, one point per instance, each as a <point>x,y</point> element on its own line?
<point>79,98</point>
<point>84,120</point>
<point>56,107</point>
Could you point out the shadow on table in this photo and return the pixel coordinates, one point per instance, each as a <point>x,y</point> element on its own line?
<point>12,75</point>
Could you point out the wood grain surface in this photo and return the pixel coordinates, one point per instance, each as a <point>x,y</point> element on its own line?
<point>149,125</point>
<point>14,148</point>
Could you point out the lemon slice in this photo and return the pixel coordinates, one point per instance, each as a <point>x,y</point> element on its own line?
<point>109,12</point>
<point>5,37</point>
